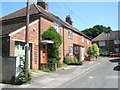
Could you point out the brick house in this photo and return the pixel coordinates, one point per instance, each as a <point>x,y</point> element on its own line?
<point>108,42</point>
<point>13,33</point>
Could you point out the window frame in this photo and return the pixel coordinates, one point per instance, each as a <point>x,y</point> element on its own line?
<point>116,41</point>
<point>70,50</point>
<point>70,34</point>
<point>57,27</point>
<point>101,43</point>
<point>83,39</point>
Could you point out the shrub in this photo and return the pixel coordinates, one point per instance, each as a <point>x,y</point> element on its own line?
<point>47,69</point>
<point>53,49</point>
<point>59,65</point>
<point>76,63</point>
<point>93,51</point>
<point>67,60</point>
<point>21,77</point>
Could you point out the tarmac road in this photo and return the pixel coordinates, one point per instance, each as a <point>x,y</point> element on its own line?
<point>104,75</point>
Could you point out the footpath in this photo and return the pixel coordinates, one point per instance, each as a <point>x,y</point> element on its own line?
<point>55,79</point>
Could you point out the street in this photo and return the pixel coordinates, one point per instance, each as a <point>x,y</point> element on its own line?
<point>102,76</point>
<point>102,73</point>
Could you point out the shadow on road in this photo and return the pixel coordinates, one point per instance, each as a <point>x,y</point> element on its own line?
<point>117,68</point>
<point>115,60</point>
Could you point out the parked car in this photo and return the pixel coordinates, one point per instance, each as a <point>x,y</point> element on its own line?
<point>115,54</point>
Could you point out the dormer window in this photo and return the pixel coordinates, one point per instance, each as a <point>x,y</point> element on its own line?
<point>70,36</point>
<point>57,27</point>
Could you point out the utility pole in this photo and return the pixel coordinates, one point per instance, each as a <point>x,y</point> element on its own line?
<point>26,40</point>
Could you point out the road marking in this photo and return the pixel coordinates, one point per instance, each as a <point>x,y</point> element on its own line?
<point>91,77</point>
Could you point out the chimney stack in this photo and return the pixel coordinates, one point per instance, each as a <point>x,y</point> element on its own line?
<point>43,4</point>
<point>68,20</point>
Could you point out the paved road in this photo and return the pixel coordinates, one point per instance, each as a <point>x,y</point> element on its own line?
<point>102,76</point>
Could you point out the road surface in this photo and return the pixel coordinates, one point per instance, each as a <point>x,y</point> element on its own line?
<point>105,75</point>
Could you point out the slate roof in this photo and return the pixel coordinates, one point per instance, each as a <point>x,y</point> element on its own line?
<point>16,20</point>
<point>114,35</point>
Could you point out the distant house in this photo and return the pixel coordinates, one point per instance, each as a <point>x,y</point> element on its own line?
<point>13,33</point>
<point>108,42</point>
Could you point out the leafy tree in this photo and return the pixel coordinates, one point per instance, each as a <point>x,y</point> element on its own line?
<point>53,49</point>
<point>94,31</point>
<point>93,51</point>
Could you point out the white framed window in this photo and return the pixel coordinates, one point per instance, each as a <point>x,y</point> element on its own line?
<point>116,41</point>
<point>88,41</point>
<point>76,50</point>
<point>116,50</point>
<point>101,43</point>
<point>57,27</point>
<point>70,50</point>
<point>70,36</point>
<point>82,39</point>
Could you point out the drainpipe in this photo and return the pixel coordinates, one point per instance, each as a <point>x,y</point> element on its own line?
<point>63,44</point>
<point>39,42</point>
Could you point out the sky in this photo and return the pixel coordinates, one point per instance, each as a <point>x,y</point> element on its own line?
<point>84,14</point>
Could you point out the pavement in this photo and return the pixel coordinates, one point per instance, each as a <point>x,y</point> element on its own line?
<point>55,79</point>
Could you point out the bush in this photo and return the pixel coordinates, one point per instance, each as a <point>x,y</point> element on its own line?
<point>59,65</point>
<point>21,77</point>
<point>46,69</point>
<point>76,63</point>
<point>67,60</point>
<point>93,51</point>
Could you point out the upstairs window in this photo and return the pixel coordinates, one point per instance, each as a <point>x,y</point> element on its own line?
<point>82,39</point>
<point>70,36</point>
<point>116,41</point>
<point>101,43</point>
<point>57,27</point>
<point>88,42</point>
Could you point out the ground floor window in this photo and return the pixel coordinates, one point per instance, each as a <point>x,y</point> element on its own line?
<point>70,50</point>
<point>116,50</point>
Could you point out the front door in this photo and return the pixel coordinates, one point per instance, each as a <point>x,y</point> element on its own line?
<point>82,53</point>
<point>76,52</point>
<point>44,54</point>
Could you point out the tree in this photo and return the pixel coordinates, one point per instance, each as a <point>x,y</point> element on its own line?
<point>93,51</point>
<point>53,49</point>
<point>94,31</point>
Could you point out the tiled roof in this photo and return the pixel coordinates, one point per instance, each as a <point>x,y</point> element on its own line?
<point>34,10</point>
<point>113,35</point>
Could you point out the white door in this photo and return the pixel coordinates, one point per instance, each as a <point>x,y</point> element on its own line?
<point>82,53</point>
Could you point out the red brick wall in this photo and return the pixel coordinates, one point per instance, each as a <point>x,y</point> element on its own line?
<point>33,37</point>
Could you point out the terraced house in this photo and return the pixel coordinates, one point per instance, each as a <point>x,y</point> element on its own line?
<point>13,33</point>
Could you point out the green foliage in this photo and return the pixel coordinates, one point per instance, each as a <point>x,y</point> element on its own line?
<point>93,51</point>
<point>68,60</point>
<point>76,63</point>
<point>94,31</point>
<point>21,77</point>
<point>47,69</point>
<point>104,53</point>
<point>59,65</point>
<point>53,49</point>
